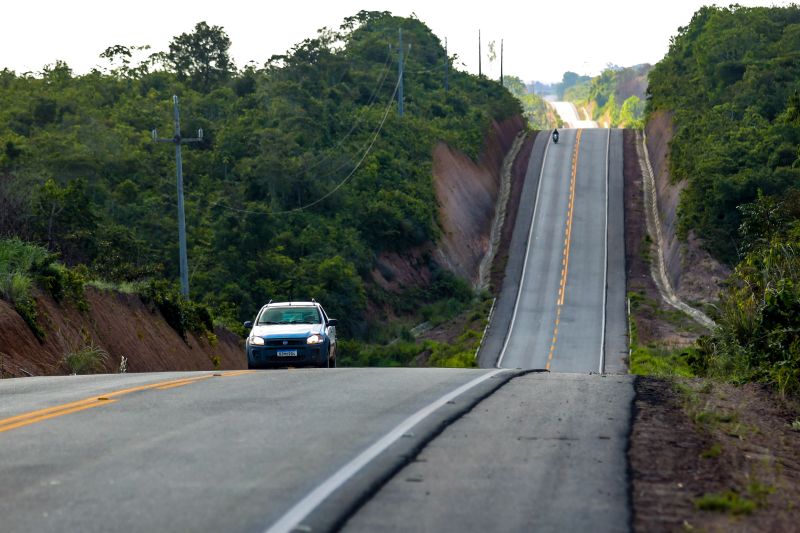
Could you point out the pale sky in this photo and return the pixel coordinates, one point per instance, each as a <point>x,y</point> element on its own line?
<point>542,39</point>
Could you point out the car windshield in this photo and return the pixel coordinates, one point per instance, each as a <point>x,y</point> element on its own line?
<point>289,315</point>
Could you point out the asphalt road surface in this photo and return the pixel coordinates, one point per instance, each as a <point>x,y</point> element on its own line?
<point>567,312</point>
<point>569,114</point>
<point>199,452</point>
<point>367,449</point>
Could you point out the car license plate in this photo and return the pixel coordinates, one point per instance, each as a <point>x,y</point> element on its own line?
<point>287,353</point>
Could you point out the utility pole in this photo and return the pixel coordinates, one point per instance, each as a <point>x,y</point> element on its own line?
<point>178,140</point>
<point>446,66</point>
<point>502,83</point>
<point>400,74</point>
<point>479,54</point>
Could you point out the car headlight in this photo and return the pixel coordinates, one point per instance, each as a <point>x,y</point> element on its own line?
<point>315,339</point>
<point>256,341</point>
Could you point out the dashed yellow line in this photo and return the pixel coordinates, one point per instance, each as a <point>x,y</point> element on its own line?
<point>562,287</point>
<point>40,415</point>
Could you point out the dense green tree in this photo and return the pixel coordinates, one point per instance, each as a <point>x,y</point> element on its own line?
<point>305,175</point>
<point>202,56</point>
<point>730,78</point>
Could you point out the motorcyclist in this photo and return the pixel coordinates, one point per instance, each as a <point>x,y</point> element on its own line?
<point>555,136</point>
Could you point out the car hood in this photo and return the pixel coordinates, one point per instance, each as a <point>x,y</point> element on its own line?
<point>286,330</point>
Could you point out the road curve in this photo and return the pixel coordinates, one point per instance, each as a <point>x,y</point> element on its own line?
<point>198,451</point>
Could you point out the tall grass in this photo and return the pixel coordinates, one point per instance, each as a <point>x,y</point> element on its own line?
<point>18,260</point>
<point>90,359</point>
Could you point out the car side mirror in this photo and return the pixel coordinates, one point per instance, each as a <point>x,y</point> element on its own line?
<point>248,324</point>
<point>332,322</point>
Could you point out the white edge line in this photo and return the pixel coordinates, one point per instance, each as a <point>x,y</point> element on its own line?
<point>527,251</point>
<point>305,506</point>
<point>605,264</point>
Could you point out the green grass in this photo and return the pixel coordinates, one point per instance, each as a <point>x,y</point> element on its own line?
<point>712,452</point>
<point>726,502</point>
<point>755,497</point>
<point>90,359</point>
<point>660,362</point>
<point>126,287</point>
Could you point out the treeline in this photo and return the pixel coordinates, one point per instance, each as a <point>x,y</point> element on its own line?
<point>615,97</point>
<point>732,80</point>
<point>305,171</point>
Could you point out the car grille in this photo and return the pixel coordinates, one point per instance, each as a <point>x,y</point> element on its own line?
<point>277,343</point>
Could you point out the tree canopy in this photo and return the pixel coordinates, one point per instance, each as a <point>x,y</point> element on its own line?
<point>305,172</point>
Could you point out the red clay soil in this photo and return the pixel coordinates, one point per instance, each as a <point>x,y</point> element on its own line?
<point>467,194</point>
<point>651,326</point>
<point>693,441</point>
<point>118,323</point>
<point>448,331</point>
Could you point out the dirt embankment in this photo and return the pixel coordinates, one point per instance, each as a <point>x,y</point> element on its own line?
<point>467,193</point>
<point>118,323</point>
<point>695,275</point>
<point>655,321</point>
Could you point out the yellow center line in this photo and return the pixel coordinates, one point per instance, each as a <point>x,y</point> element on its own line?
<point>562,288</point>
<point>47,413</point>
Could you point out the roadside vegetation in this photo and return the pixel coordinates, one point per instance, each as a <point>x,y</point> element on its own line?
<point>731,80</point>
<point>304,175</point>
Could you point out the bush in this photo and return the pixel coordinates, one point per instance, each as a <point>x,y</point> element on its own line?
<point>90,359</point>
<point>180,313</point>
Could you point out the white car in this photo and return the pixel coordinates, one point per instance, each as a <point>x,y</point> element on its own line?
<point>291,334</point>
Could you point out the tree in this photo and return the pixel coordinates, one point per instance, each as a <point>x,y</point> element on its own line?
<point>202,56</point>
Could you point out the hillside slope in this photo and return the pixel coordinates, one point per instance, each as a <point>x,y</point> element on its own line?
<point>118,323</point>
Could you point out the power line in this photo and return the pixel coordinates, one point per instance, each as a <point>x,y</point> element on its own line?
<point>324,157</point>
<point>337,187</point>
<point>358,121</point>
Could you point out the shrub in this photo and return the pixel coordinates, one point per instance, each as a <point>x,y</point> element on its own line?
<point>90,359</point>
<point>180,313</point>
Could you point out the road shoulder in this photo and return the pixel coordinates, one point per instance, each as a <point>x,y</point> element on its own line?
<point>545,452</point>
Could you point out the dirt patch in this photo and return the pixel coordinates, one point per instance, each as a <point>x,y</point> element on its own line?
<point>449,331</point>
<point>656,322</point>
<point>467,194</point>
<point>118,323</point>
<point>695,444</point>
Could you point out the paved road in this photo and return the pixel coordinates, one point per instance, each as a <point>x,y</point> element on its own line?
<point>563,318</point>
<point>198,452</point>
<point>569,114</point>
<point>544,453</point>
<point>501,450</point>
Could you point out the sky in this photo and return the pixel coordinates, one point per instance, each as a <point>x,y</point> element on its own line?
<point>541,40</point>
